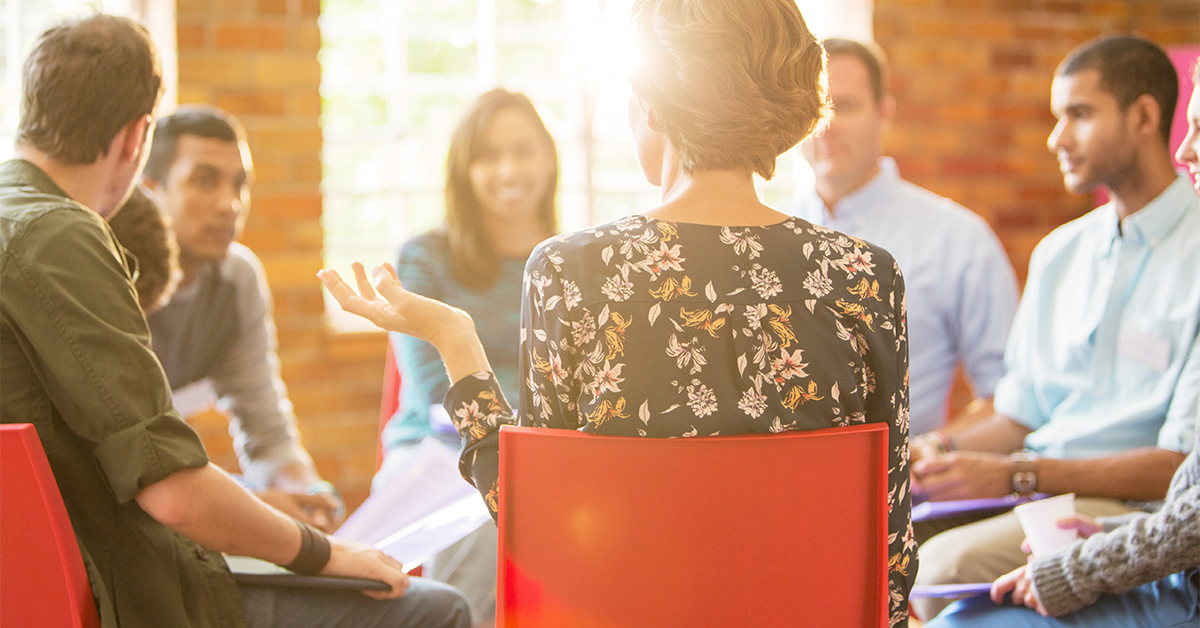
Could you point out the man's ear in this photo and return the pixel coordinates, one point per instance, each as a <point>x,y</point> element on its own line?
<point>1145,117</point>
<point>887,110</point>
<point>133,138</point>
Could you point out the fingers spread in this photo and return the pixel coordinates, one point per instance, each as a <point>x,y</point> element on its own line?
<point>364,284</point>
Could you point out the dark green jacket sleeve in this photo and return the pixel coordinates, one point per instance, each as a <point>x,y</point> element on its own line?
<point>67,288</point>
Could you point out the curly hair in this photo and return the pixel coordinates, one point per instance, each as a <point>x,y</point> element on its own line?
<point>143,230</point>
<point>733,83</point>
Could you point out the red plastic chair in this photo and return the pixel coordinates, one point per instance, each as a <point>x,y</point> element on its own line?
<point>390,401</point>
<point>42,578</point>
<point>755,530</point>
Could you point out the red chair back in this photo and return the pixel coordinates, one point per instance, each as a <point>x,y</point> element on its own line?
<point>390,402</point>
<point>42,578</point>
<point>756,530</point>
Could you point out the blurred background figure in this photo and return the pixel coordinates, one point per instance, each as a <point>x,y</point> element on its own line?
<point>501,177</point>
<point>217,331</point>
<point>961,289</point>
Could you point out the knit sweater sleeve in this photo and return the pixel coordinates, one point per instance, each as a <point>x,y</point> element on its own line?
<point>1148,547</point>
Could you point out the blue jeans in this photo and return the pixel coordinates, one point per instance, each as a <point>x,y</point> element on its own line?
<point>1171,602</point>
<point>426,604</point>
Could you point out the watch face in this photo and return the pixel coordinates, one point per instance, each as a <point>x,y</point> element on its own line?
<point>1024,482</point>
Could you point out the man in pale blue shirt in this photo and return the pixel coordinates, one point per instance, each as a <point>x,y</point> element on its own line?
<point>1103,364</point>
<point>961,289</point>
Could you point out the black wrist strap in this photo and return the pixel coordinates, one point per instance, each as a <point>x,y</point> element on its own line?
<point>313,554</point>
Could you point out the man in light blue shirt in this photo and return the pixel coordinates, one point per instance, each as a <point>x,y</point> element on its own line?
<point>961,289</point>
<point>1103,364</point>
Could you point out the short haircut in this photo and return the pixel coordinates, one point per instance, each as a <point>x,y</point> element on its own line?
<point>142,229</point>
<point>85,81</point>
<point>198,120</point>
<point>871,56</point>
<point>733,83</point>
<point>1129,66</point>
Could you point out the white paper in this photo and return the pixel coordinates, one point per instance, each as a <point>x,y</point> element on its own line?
<point>194,398</point>
<point>425,507</point>
<point>440,420</point>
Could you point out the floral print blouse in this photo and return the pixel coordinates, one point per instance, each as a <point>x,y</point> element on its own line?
<point>643,327</point>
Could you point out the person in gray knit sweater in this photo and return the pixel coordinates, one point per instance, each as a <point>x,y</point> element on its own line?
<point>1137,569</point>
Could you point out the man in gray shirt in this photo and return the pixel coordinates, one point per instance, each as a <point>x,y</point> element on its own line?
<point>217,329</point>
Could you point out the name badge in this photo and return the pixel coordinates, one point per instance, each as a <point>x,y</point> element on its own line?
<point>1145,349</point>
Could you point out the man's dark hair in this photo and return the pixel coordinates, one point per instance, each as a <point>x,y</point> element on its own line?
<point>871,56</point>
<point>1129,66</point>
<point>84,81</point>
<point>198,120</point>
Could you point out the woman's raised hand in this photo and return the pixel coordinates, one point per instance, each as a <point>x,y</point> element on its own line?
<point>389,306</point>
<point>384,302</point>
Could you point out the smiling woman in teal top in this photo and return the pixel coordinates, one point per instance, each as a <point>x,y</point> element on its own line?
<point>502,173</point>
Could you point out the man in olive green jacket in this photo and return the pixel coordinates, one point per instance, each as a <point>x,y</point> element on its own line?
<point>150,512</point>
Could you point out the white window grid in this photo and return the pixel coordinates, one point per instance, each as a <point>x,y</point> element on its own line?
<point>384,176</point>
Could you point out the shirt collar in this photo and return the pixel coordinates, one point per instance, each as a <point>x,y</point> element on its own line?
<point>18,172</point>
<point>861,202</point>
<point>1158,218</point>
<point>1150,224</point>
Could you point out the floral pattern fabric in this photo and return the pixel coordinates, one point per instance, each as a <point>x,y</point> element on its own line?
<point>643,327</point>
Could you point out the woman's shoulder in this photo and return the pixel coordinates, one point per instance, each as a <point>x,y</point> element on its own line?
<point>577,245</point>
<point>428,245</point>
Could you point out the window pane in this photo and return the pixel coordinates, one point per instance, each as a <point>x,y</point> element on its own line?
<point>439,57</point>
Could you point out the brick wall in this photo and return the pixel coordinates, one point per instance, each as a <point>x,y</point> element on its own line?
<point>258,60</point>
<point>972,81</point>
<point>972,78</point>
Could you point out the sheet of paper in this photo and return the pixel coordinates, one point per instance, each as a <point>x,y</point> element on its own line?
<point>194,398</point>
<point>423,509</point>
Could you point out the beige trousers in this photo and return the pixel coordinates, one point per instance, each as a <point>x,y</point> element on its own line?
<point>985,550</point>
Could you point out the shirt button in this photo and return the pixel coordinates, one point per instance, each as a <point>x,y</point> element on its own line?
<point>201,553</point>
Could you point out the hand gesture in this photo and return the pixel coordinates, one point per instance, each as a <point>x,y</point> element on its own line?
<point>448,329</point>
<point>389,306</point>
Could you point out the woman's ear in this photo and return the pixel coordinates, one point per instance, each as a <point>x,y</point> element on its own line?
<point>651,118</point>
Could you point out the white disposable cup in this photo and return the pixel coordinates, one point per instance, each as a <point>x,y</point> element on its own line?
<point>1040,520</point>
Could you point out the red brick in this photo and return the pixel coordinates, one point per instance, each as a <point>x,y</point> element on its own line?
<point>251,36</point>
<point>273,7</point>
<point>252,102</point>
<point>973,166</point>
<point>1007,59</point>
<point>265,240</point>
<point>1062,6</point>
<point>297,207</point>
<point>189,35</point>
